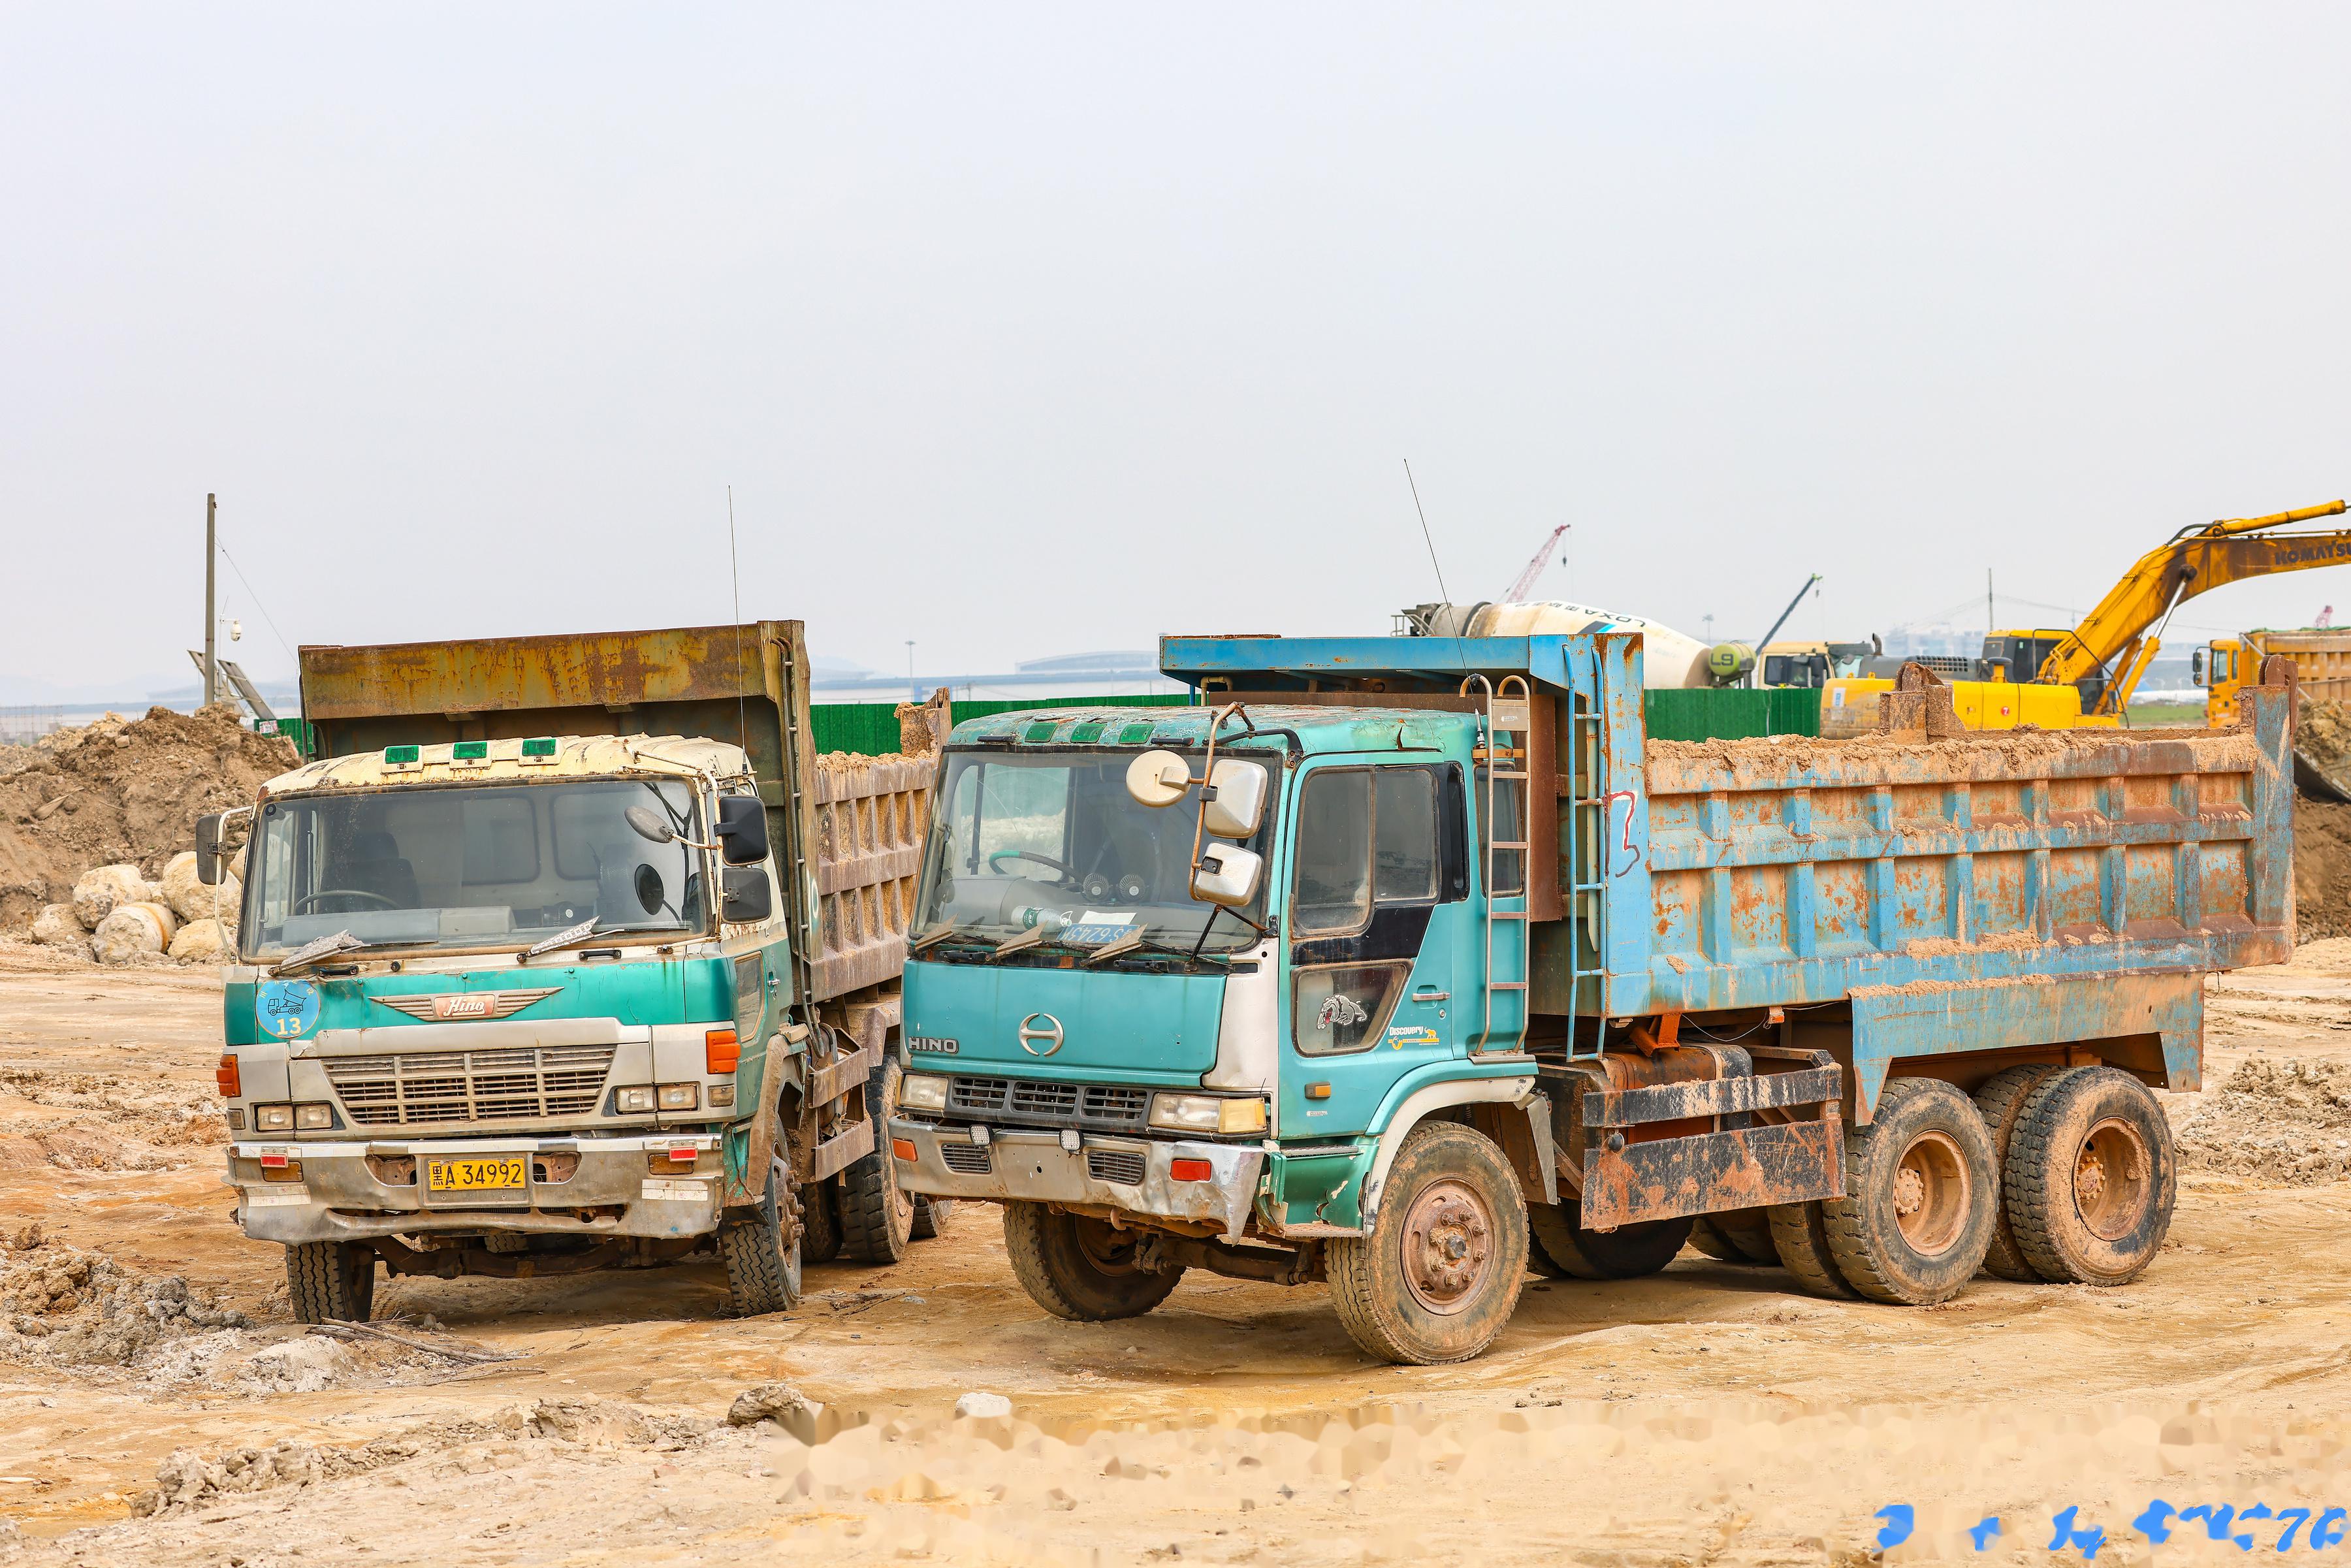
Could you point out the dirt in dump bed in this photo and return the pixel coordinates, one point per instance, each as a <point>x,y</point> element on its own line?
<point>2322,868</point>
<point>2224,748</point>
<point>122,790</point>
<point>2321,734</point>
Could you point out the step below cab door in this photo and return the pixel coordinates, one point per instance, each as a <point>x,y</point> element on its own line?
<point>1377,938</point>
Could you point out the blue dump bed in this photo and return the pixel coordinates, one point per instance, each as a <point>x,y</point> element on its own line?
<point>1892,896</point>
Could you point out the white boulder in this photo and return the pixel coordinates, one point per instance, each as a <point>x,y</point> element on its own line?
<point>189,899</point>
<point>56,926</point>
<point>203,942</point>
<point>133,929</point>
<point>99,889</point>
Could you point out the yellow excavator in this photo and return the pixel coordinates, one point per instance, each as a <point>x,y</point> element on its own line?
<point>2060,679</point>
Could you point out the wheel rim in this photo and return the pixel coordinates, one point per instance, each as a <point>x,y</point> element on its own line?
<point>2113,1180</point>
<point>779,1189</point>
<point>1112,1251</point>
<point>1448,1246</point>
<point>1931,1196</point>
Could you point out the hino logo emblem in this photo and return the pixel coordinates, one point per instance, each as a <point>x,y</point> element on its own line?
<point>450,1005</point>
<point>1042,1027</point>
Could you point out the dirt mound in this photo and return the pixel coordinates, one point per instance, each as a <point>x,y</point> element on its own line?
<point>63,1307</point>
<point>118,1124</point>
<point>2322,868</point>
<point>188,1481</point>
<point>2284,1121</point>
<point>122,790</point>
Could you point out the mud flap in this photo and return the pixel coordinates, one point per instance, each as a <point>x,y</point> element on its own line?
<point>1793,1162</point>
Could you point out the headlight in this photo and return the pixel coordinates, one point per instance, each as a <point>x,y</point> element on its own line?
<point>1207,1113</point>
<point>634,1102</point>
<point>273,1118</point>
<point>680,1096</point>
<point>313,1118</point>
<point>921,1092</point>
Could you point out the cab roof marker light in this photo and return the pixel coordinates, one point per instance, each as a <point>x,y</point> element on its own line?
<point>544,745</point>
<point>400,753</point>
<point>470,751</point>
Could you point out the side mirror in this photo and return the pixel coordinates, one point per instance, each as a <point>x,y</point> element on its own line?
<point>1238,799</point>
<point>742,830</point>
<point>1228,874</point>
<point>647,824</point>
<point>208,855</point>
<point>1158,779</point>
<point>744,898</point>
<point>2195,676</point>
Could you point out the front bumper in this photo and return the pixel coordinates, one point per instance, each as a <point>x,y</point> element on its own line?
<point>340,1197</point>
<point>1034,1167</point>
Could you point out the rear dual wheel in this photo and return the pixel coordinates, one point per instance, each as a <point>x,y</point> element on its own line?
<point>2091,1178</point>
<point>1627,1252</point>
<point>1921,1195</point>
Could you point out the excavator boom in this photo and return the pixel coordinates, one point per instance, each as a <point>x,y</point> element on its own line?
<point>2196,560</point>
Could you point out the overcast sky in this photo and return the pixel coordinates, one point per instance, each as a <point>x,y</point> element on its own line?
<point>1022,331</point>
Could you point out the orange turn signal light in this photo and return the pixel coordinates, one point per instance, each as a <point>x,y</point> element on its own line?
<point>720,1054</point>
<point>1318,1091</point>
<point>903,1148</point>
<point>226,1076</point>
<point>1190,1170</point>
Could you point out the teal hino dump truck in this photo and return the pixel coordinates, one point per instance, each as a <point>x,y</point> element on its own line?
<point>1406,964</point>
<point>568,953</point>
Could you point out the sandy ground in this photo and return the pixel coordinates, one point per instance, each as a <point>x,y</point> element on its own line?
<point>1707,1414</point>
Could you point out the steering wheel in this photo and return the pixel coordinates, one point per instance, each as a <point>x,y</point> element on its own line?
<point>302,905</point>
<point>1027,855</point>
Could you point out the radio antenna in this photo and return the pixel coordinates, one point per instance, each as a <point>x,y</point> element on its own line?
<point>734,571</point>
<point>1425,535</point>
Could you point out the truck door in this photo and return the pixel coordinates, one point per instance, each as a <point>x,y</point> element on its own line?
<point>1376,933</point>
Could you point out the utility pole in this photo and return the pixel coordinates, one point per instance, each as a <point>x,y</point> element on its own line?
<point>1991,615</point>
<point>212,625</point>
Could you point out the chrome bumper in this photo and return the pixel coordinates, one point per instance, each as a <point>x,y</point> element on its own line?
<point>1032,1167</point>
<point>339,1198</point>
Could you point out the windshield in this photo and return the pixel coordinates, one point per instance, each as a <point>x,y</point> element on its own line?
<point>502,865</point>
<point>1053,839</point>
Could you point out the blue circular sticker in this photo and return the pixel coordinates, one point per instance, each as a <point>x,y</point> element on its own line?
<point>286,1008</point>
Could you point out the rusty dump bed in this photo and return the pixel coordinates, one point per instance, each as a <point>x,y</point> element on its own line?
<point>848,831</point>
<point>1915,896</point>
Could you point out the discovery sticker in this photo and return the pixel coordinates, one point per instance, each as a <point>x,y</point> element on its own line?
<point>286,1008</point>
<point>1403,1034</point>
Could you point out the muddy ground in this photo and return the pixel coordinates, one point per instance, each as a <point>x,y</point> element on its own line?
<point>1707,1415</point>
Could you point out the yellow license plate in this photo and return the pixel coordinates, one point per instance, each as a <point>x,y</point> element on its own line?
<point>474,1176</point>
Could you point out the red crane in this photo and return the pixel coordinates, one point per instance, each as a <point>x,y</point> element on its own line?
<point>1524,583</point>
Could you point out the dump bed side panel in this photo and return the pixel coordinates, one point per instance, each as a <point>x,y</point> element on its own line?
<point>847,837</point>
<point>1789,874</point>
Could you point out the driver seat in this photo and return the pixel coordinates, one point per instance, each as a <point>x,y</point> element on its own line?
<point>376,866</point>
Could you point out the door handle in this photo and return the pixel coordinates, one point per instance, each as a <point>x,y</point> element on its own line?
<point>1430,994</point>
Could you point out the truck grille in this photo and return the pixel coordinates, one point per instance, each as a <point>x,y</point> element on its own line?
<point>515,1084</point>
<point>1053,1104</point>
<point>1122,1166</point>
<point>967,1159</point>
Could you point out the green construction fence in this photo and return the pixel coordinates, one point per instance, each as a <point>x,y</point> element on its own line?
<point>871,729</point>
<point>1730,713</point>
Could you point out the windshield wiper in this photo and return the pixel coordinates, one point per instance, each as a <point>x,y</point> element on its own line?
<point>586,930</point>
<point>1136,941</point>
<point>327,947</point>
<point>930,939</point>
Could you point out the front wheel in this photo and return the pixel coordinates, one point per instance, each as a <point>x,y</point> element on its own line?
<point>1080,1268</point>
<point>1439,1273</point>
<point>329,1282</point>
<point>762,1249</point>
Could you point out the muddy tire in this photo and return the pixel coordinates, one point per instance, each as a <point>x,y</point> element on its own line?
<point>1439,1273</point>
<point>329,1282</point>
<point>821,1221</point>
<point>1080,1268</point>
<point>1540,1262</point>
<point>1800,1235</point>
<point>1626,1252</point>
<point>2092,1177</point>
<point>2000,1102</point>
<point>931,1214</point>
<point>1741,1236</point>
<point>761,1246</point>
<point>1921,1192</point>
<point>877,1216</point>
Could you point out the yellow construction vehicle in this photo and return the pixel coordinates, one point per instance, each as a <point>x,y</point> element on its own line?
<point>2061,679</point>
<point>2320,655</point>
